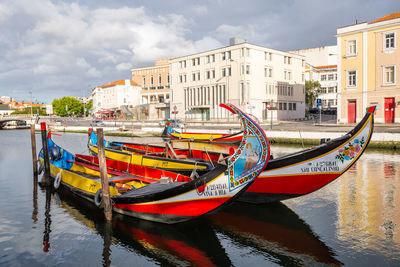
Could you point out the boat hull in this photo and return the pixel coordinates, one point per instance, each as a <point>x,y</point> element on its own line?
<point>309,170</point>
<point>218,138</point>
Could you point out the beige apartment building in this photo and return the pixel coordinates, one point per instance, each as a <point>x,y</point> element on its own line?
<point>368,69</point>
<point>250,76</point>
<point>155,93</point>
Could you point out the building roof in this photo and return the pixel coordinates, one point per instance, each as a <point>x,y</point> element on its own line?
<point>387,17</point>
<point>119,82</point>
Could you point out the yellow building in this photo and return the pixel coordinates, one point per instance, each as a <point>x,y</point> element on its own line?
<point>369,69</point>
<point>155,94</point>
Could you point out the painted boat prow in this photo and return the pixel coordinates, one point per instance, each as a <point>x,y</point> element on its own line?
<point>308,170</point>
<point>173,201</point>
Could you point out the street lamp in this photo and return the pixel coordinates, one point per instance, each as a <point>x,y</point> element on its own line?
<point>30,92</point>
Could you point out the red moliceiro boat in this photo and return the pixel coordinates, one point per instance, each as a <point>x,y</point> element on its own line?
<point>303,172</point>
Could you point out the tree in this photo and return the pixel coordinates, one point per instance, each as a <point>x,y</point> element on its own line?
<point>67,106</point>
<point>35,111</point>
<point>88,107</point>
<point>312,92</point>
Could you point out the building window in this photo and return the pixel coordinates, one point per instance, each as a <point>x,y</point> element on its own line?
<point>351,48</point>
<point>247,69</point>
<point>323,77</point>
<point>388,72</point>
<point>223,56</point>
<point>268,56</point>
<point>168,79</point>
<point>389,40</point>
<point>352,78</point>
<point>247,52</point>
<point>223,73</point>
<point>207,74</point>
<point>289,75</point>
<point>229,70</point>
<point>213,74</point>
<point>268,72</point>
<point>198,76</point>
<point>228,55</point>
<point>144,81</point>
<point>193,77</point>
<point>331,77</point>
<point>159,79</point>
<point>151,81</point>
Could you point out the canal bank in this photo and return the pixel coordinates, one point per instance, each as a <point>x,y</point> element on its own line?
<point>384,137</point>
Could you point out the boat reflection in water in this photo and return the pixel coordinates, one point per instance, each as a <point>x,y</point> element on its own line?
<point>274,229</point>
<point>190,243</point>
<point>271,229</point>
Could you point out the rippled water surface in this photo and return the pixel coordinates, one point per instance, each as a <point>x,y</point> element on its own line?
<point>353,221</point>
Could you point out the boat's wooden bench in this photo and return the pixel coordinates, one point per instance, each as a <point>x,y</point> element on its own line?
<point>119,176</point>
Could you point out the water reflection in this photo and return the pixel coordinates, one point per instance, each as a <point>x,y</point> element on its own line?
<point>47,222</point>
<point>192,243</point>
<point>272,228</point>
<point>276,230</point>
<point>369,204</point>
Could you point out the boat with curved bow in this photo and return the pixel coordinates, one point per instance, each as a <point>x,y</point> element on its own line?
<point>159,195</point>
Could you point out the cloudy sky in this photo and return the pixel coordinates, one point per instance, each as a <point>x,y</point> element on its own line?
<point>57,48</point>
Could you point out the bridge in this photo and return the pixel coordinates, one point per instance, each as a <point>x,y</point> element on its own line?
<point>23,121</point>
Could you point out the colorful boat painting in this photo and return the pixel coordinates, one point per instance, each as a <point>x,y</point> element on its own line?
<point>308,170</point>
<point>166,199</point>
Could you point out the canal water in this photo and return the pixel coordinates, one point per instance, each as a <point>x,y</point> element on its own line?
<point>353,221</point>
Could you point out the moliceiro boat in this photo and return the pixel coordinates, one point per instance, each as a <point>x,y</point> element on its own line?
<point>161,156</point>
<point>305,171</point>
<point>220,138</point>
<point>159,195</point>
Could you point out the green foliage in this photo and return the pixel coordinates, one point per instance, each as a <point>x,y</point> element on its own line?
<point>88,107</point>
<point>312,91</point>
<point>67,106</point>
<point>35,111</point>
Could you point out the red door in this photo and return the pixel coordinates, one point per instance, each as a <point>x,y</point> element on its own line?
<point>351,111</point>
<point>389,110</point>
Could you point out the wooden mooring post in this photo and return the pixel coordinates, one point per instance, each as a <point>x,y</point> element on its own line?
<point>45,144</point>
<point>34,155</point>
<point>104,176</point>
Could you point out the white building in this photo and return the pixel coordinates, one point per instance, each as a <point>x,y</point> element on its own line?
<point>6,99</point>
<point>249,76</point>
<point>5,110</point>
<point>322,67</point>
<point>115,95</point>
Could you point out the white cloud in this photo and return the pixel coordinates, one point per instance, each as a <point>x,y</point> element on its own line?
<point>64,45</point>
<point>124,66</point>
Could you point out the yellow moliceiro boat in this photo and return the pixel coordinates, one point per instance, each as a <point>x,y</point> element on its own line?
<point>159,195</point>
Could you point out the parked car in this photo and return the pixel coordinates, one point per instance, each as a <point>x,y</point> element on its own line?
<point>330,110</point>
<point>97,123</point>
<point>174,123</point>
